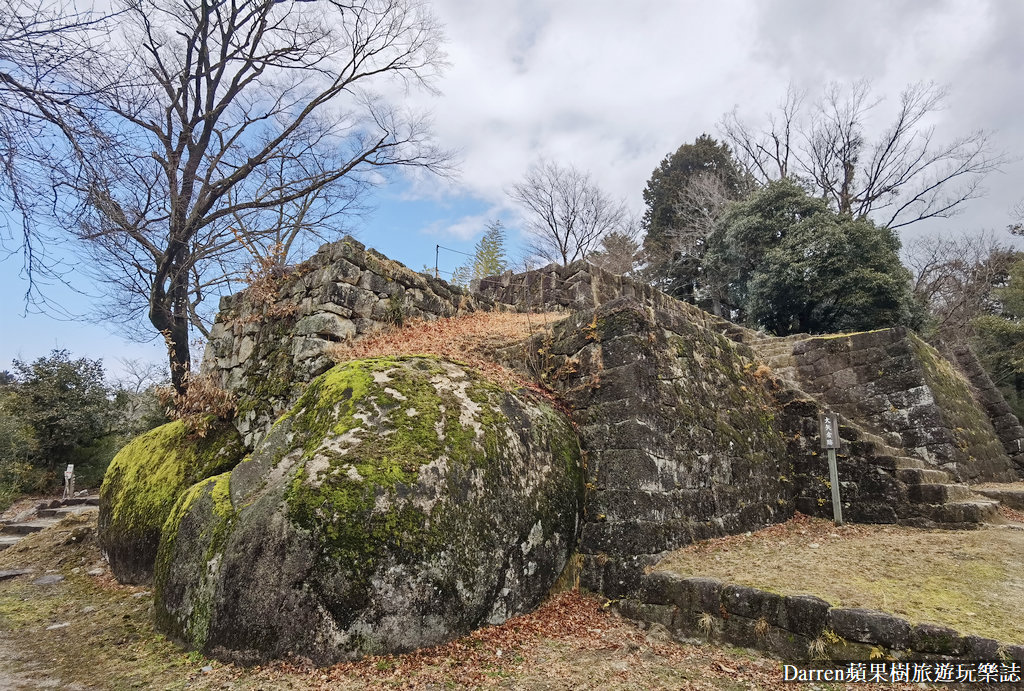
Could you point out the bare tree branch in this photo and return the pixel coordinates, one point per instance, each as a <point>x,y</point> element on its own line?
<point>899,176</point>
<point>567,214</point>
<point>206,133</point>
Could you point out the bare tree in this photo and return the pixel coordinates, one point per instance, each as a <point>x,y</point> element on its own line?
<point>900,176</point>
<point>954,278</point>
<point>41,43</point>
<point>209,117</point>
<point>567,214</point>
<point>767,154</point>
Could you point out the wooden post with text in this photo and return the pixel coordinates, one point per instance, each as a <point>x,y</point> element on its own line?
<point>828,423</point>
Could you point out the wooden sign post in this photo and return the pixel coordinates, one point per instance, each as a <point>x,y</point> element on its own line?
<point>828,423</point>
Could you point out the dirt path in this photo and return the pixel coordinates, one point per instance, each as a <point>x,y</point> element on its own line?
<point>19,672</point>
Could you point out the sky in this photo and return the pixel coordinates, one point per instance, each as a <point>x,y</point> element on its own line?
<point>612,88</point>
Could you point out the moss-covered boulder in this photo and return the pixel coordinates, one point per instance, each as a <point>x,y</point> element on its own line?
<point>144,481</point>
<point>401,502</point>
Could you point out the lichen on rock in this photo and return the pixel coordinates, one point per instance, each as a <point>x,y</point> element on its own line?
<point>399,503</point>
<point>142,484</point>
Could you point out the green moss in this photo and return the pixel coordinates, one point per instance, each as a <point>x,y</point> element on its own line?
<point>147,476</point>
<point>970,426</point>
<point>217,519</point>
<point>354,503</point>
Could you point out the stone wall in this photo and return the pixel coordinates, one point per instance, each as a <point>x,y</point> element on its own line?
<point>270,340</point>
<point>1006,424</point>
<point>578,286</point>
<point>897,386</point>
<point>706,608</point>
<point>680,435</point>
<point>877,483</point>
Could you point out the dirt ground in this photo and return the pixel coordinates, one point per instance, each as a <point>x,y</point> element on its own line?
<point>970,580</point>
<point>88,632</point>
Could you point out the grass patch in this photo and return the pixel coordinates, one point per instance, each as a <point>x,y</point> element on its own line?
<point>972,581</point>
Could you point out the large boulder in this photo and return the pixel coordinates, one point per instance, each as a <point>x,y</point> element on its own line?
<point>401,502</point>
<point>144,481</point>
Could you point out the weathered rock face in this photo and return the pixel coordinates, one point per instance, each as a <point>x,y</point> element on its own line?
<point>680,435</point>
<point>399,503</point>
<point>267,344</point>
<point>144,481</point>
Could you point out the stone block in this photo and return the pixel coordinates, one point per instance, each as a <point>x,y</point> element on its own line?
<point>806,615</point>
<point>979,648</point>
<point>940,640</point>
<point>325,325</point>
<point>705,594</point>
<point>661,588</point>
<point>870,626</point>
<point>636,610</point>
<point>754,603</point>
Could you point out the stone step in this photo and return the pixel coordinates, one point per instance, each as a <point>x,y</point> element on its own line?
<point>8,541</point>
<point>90,500</point>
<point>970,511</point>
<point>63,511</point>
<point>923,476</point>
<point>938,493</point>
<point>892,462</point>
<point>1011,495</point>
<point>27,527</point>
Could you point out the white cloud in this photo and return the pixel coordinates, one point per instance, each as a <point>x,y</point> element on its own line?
<point>612,87</point>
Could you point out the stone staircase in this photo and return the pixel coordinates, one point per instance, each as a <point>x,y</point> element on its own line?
<point>933,497</point>
<point>42,516</point>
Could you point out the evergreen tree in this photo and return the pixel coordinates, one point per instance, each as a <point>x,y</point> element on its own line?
<point>789,264</point>
<point>685,196</point>
<point>999,339</point>
<point>488,257</point>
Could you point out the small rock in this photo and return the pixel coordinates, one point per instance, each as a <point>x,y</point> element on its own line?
<point>95,572</point>
<point>53,627</point>
<point>77,535</point>
<point>87,609</point>
<point>207,669</point>
<point>814,545</point>
<point>76,570</point>
<point>11,573</point>
<point>48,579</point>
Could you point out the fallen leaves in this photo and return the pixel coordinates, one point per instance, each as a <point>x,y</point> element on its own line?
<point>472,339</point>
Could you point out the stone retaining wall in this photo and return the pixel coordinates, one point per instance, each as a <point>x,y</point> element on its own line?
<point>793,626</point>
<point>902,389</point>
<point>1006,424</point>
<point>679,434</point>
<point>269,341</point>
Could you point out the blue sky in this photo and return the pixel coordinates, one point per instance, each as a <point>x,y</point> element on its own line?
<point>612,88</point>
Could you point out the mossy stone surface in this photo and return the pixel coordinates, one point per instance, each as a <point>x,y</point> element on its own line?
<point>142,484</point>
<point>400,502</point>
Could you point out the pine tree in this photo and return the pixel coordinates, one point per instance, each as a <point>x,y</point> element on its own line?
<point>488,257</point>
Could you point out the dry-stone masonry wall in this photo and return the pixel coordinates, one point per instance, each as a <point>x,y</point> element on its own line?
<point>1006,424</point>
<point>904,390</point>
<point>575,287</point>
<point>706,608</point>
<point>266,344</point>
<point>679,434</point>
